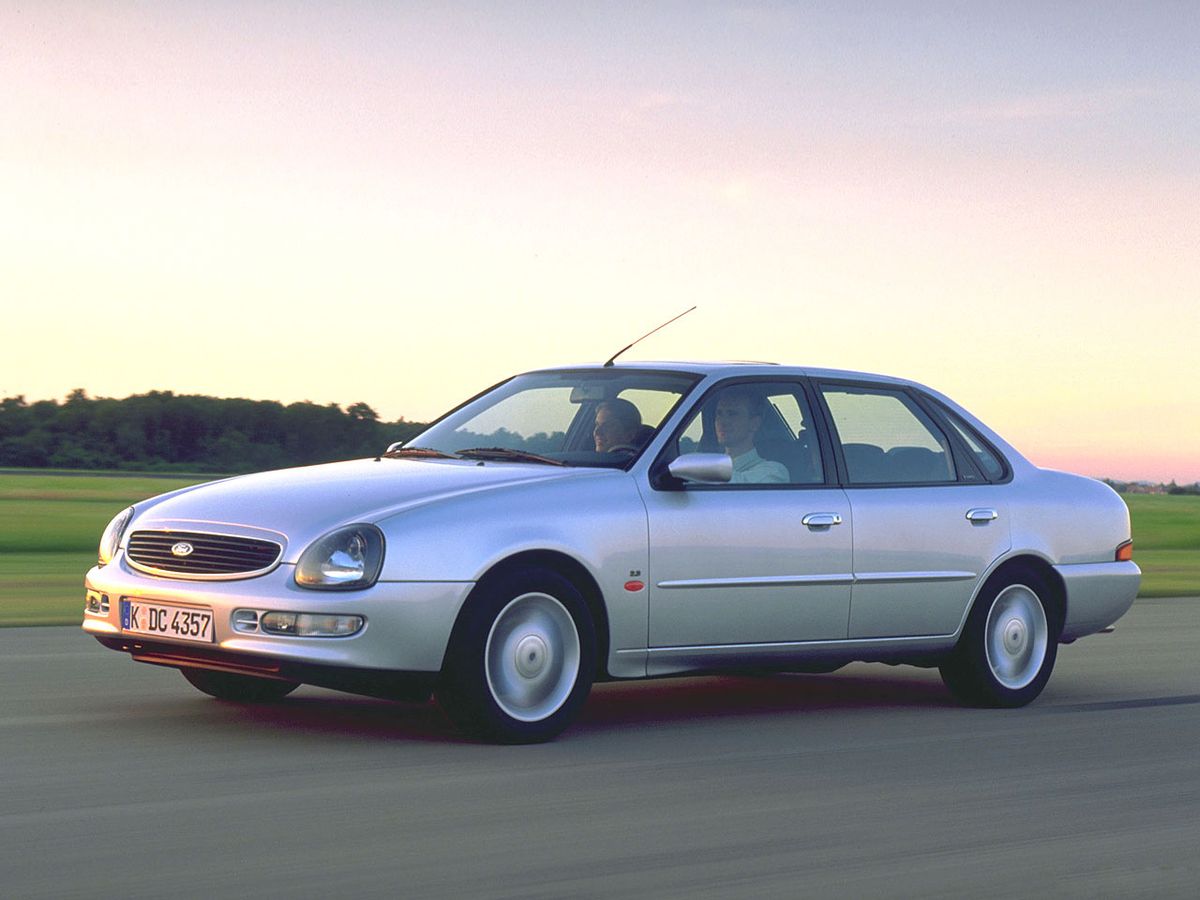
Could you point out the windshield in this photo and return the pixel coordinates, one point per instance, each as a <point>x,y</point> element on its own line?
<point>595,417</point>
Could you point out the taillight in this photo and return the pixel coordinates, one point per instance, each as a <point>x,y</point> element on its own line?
<point>1125,552</point>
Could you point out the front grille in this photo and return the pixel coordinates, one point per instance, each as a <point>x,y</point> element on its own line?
<point>212,554</point>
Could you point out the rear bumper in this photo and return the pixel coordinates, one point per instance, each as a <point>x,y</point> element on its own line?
<point>1097,595</point>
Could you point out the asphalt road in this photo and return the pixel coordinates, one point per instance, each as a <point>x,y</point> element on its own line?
<point>118,779</point>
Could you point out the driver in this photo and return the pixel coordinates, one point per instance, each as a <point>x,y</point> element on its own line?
<point>617,425</point>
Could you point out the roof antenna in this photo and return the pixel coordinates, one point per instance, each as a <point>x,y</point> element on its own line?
<point>612,358</point>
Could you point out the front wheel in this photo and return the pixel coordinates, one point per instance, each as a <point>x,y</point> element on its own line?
<point>238,688</point>
<point>521,660</point>
<point>1008,646</point>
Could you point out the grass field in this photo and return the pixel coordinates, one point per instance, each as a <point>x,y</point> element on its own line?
<point>50,525</point>
<point>1166,543</point>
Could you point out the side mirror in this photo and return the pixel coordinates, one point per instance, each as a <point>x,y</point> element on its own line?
<point>702,468</point>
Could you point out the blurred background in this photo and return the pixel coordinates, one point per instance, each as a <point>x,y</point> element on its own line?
<point>354,216</point>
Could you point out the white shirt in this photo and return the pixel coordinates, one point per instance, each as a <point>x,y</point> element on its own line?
<point>750,468</point>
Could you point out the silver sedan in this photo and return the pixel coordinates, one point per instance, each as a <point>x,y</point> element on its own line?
<point>626,521</point>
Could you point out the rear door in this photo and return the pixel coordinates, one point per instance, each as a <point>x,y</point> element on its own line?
<point>927,524</point>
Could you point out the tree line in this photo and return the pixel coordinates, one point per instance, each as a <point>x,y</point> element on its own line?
<point>163,431</point>
<point>1146,487</point>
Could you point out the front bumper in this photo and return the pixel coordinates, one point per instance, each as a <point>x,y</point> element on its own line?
<point>407,623</point>
<point>386,683</point>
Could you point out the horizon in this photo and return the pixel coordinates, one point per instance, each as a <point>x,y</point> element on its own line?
<point>400,205</point>
<point>1125,478</point>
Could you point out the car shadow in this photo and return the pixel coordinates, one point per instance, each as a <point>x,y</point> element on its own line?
<point>730,697</point>
<point>612,705</point>
<point>316,713</point>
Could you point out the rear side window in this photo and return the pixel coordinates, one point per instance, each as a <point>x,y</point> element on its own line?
<point>989,461</point>
<point>886,438</point>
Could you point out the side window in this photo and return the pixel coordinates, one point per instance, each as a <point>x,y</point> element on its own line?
<point>653,405</point>
<point>764,426</point>
<point>886,438</point>
<point>989,461</point>
<point>691,440</point>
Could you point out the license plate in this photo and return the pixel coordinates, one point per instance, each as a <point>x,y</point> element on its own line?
<point>183,623</point>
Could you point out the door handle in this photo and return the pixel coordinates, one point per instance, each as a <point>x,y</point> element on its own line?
<point>821,520</point>
<point>981,514</point>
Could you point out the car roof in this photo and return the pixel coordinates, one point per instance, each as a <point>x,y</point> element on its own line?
<point>733,368</point>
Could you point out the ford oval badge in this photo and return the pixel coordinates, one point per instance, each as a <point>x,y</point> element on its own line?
<point>183,548</point>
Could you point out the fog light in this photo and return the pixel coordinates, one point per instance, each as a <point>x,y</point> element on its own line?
<point>96,603</point>
<point>310,624</point>
<point>279,622</point>
<point>327,626</point>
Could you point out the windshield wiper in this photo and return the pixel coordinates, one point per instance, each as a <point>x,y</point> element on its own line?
<point>506,453</point>
<point>419,453</point>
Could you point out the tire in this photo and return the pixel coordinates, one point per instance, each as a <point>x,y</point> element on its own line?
<point>521,658</point>
<point>238,688</point>
<point>1008,647</point>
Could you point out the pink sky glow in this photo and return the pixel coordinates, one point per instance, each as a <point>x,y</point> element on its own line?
<point>400,203</point>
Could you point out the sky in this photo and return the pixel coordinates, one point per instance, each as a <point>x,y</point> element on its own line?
<point>402,203</point>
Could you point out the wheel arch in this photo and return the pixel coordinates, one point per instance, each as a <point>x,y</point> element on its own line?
<point>1042,567</point>
<point>570,569</point>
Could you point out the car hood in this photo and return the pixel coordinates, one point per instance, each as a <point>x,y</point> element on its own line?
<point>299,505</point>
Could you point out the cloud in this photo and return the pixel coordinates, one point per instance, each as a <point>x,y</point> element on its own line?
<point>655,100</point>
<point>1069,105</point>
<point>761,16</point>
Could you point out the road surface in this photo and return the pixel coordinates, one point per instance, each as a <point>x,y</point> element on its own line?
<point>119,779</point>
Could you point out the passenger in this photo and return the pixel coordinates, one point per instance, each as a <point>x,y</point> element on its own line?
<point>617,424</point>
<point>738,418</point>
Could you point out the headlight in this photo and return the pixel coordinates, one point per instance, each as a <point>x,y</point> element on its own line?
<point>345,559</point>
<point>111,539</point>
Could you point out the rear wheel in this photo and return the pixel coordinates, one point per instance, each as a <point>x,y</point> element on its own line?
<point>238,688</point>
<point>1009,644</point>
<point>521,660</point>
